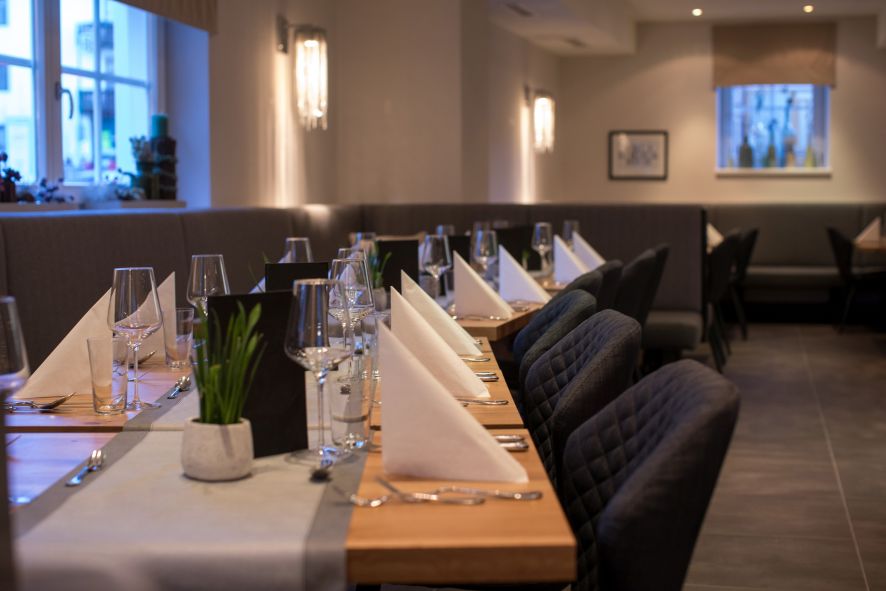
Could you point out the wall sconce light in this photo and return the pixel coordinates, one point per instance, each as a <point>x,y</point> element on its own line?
<point>543,121</point>
<point>311,71</point>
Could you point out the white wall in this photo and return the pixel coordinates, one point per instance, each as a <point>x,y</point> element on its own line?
<point>667,85</point>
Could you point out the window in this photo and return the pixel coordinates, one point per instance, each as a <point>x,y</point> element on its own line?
<point>4,11</point>
<point>105,72</point>
<point>4,77</point>
<point>773,126</point>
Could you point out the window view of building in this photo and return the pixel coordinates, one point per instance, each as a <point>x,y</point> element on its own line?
<point>773,126</point>
<point>17,86</point>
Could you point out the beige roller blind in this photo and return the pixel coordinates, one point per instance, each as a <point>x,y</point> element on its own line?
<point>775,54</point>
<point>202,14</point>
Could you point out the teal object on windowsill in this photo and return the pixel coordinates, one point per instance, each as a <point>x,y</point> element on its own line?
<point>159,125</point>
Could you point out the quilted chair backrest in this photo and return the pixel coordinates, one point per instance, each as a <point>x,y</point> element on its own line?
<point>579,306</point>
<point>638,476</point>
<point>843,251</point>
<point>589,282</point>
<point>745,252</point>
<point>611,271</point>
<point>577,377</point>
<point>637,279</point>
<point>720,263</point>
<point>545,318</point>
<point>661,259</point>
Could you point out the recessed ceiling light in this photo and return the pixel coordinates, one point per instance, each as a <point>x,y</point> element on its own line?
<point>697,12</point>
<point>808,9</point>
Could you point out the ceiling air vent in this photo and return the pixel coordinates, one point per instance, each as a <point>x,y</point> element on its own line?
<point>516,8</point>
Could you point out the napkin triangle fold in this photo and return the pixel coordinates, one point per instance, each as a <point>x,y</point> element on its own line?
<point>431,350</point>
<point>514,283</point>
<point>473,296</point>
<point>426,432</point>
<point>260,286</point>
<point>449,330</point>
<point>713,235</point>
<point>586,253</point>
<point>567,266</point>
<point>871,232</point>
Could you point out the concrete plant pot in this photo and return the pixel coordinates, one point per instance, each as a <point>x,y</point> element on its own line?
<point>215,453</point>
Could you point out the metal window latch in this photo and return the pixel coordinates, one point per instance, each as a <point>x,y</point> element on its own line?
<point>61,91</point>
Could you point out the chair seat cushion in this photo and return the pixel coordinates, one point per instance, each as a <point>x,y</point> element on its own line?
<point>792,276</point>
<point>672,330</point>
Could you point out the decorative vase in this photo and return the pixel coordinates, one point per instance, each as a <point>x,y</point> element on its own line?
<point>215,453</point>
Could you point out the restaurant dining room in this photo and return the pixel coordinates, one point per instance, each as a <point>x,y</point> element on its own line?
<point>402,295</point>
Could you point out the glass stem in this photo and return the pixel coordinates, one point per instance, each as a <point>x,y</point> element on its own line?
<point>321,412</point>
<point>135,399</point>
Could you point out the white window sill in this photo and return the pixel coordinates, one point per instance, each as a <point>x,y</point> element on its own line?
<point>795,172</point>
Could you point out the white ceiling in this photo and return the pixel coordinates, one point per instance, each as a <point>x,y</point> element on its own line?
<point>581,27</point>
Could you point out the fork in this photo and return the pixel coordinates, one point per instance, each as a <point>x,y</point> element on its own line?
<point>529,495</point>
<point>96,459</point>
<point>482,402</point>
<point>420,497</point>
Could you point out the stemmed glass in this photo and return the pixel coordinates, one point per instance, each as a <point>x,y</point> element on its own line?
<point>435,258</point>
<point>318,339</point>
<point>14,370</point>
<point>445,230</point>
<point>298,250</point>
<point>485,251</point>
<point>364,241</point>
<point>543,244</point>
<point>570,227</point>
<point>357,291</point>
<point>134,312</point>
<point>207,278</point>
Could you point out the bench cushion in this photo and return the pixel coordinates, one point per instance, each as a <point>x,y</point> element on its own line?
<point>672,330</point>
<point>411,218</point>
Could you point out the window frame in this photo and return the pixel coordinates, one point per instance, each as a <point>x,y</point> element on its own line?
<point>821,115</point>
<point>48,70</point>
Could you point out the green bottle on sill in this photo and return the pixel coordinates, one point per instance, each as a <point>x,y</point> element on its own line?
<point>745,154</point>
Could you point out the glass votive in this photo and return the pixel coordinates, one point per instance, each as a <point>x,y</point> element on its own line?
<point>110,373</point>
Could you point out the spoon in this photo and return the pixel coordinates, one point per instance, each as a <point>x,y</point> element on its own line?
<point>473,359</point>
<point>31,404</point>
<point>482,402</point>
<point>183,384</point>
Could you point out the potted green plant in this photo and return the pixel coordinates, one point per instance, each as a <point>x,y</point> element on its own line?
<point>376,269</point>
<point>217,445</point>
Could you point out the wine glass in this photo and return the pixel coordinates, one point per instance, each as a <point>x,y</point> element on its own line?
<point>485,251</point>
<point>357,289</point>
<point>570,227</point>
<point>435,258</point>
<point>445,230</point>
<point>350,253</point>
<point>207,278</point>
<point>543,244</point>
<point>364,241</point>
<point>14,369</point>
<point>318,339</point>
<point>134,312</point>
<point>298,250</point>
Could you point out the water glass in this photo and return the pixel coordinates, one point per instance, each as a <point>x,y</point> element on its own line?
<point>543,244</point>
<point>570,227</point>
<point>207,277</point>
<point>445,230</point>
<point>349,411</point>
<point>298,250</point>
<point>107,364</point>
<point>180,339</point>
<point>14,370</point>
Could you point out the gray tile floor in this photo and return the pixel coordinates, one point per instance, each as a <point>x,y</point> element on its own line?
<point>801,501</point>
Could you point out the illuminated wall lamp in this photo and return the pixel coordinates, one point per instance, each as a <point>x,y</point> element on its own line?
<point>543,109</point>
<point>311,71</point>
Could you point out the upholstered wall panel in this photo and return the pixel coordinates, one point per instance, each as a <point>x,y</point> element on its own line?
<point>624,231</point>
<point>246,238</point>
<point>58,265</point>
<point>410,218</point>
<point>328,226</point>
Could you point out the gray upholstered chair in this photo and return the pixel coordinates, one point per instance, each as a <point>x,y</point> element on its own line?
<point>553,322</point>
<point>577,377</point>
<point>638,476</point>
<point>661,258</point>
<point>611,271</point>
<point>636,281</point>
<point>739,274</point>
<point>720,262</point>
<point>589,282</point>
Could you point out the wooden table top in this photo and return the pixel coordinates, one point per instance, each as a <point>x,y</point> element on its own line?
<point>77,414</point>
<point>500,541</point>
<point>497,330</point>
<point>872,245</point>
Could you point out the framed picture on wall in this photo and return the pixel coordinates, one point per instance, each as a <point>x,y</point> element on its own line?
<point>638,155</point>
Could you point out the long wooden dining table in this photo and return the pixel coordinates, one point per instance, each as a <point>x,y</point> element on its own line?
<point>501,541</point>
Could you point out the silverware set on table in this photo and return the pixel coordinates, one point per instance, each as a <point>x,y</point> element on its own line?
<point>446,495</point>
<point>95,463</point>
<point>20,405</point>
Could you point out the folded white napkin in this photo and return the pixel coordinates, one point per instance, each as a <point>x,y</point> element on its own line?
<point>871,232</point>
<point>66,369</point>
<point>427,433</point>
<point>157,342</point>
<point>473,296</point>
<point>714,236</point>
<point>260,286</point>
<point>432,351</point>
<point>586,253</point>
<point>450,331</point>
<point>567,266</point>
<point>514,283</point>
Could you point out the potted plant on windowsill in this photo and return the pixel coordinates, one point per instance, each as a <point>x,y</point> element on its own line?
<point>217,445</point>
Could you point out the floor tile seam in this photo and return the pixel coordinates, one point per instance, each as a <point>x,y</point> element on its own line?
<point>827,435</point>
